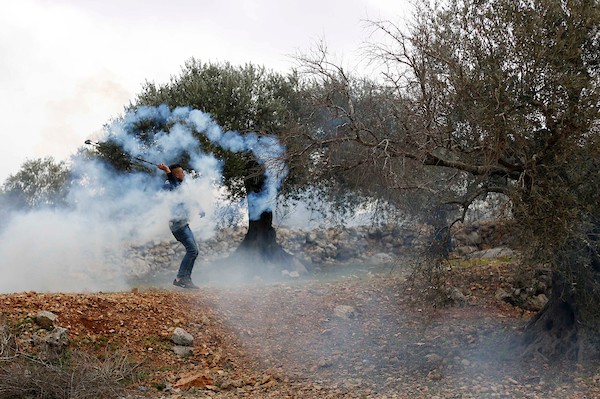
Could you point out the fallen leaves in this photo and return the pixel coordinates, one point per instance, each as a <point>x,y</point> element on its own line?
<point>195,380</point>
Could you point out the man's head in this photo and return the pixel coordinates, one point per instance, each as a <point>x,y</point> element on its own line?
<point>177,171</point>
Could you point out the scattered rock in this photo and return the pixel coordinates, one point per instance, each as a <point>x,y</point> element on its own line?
<point>456,297</point>
<point>182,337</point>
<point>184,351</point>
<point>53,344</point>
<point>287,273</point>
<point>57,338</point>
<point>434,375</point>
<point>536,303</point>
<point>502,295</point>
<point>311,237</point>
<point>324,363</point>
<point>434,358</point>
<point>46,319</point>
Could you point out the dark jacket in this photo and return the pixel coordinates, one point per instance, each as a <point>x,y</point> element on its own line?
<point>180,215</point>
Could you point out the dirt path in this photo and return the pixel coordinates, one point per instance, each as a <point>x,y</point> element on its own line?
<point>367,338</point>
<point>358,334</point>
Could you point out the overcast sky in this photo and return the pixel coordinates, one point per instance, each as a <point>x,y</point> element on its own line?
<point>69,66</point>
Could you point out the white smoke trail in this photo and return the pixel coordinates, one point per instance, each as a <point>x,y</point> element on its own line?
<point>83,247</point>
<point>179,138</point>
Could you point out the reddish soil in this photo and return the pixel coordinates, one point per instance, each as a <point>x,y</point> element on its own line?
<point>364,335</point>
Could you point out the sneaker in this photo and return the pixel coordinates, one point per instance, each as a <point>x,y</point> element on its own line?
<point>185,283</point>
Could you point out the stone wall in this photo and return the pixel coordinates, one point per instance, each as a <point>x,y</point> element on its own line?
<point>471,238</point>
<point>321,247</point>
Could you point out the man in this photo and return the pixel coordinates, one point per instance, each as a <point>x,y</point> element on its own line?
<point>180,228</point>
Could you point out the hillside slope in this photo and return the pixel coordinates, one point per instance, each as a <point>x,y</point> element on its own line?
<point>363,335</point>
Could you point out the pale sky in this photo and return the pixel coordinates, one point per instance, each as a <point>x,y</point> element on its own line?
<point>68,66</point>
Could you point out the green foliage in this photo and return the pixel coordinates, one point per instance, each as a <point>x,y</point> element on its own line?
<point>478,98</point>
<point>516,87</point>
<point>244,99</point>
<point>39,182</point>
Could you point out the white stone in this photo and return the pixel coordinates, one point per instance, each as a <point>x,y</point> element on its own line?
<point>45,319</point>
<point>184,351</point>
<point>58,338</point>
<point>182,337</point>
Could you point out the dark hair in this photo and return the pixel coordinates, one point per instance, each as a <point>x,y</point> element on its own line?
<point>175,166</point>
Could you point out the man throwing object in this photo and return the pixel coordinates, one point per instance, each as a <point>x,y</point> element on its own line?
<point>179,225</point>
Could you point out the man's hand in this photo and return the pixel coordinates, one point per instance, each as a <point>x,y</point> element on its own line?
<point>163,167</point>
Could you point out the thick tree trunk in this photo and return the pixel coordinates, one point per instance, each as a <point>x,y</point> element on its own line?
<point>258,255</point>
<point>553,332</point>
<point>260,242</point>
<point>566,328</point>
<point>259,247</point>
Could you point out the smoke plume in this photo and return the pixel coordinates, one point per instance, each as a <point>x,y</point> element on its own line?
<point>183,121</point>
<point>83,247</point>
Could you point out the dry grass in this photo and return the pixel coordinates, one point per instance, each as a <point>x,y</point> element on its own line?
<point>74,375</point>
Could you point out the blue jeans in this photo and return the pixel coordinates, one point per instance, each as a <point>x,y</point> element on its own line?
<point>185,236</point>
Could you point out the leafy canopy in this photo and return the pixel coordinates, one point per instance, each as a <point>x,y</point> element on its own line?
<point>244,99</point>
<point>39,182</point>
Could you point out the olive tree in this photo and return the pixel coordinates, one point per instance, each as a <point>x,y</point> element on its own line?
<point>39,182</point>
<point>503,97</point>
<point>243,99</point>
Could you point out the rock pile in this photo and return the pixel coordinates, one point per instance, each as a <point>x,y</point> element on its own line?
<point>47,342</point>
<point>184,342</point>
<point>471,238</point>
<point>528,290</point>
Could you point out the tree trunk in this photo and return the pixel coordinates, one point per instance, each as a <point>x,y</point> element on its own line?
<point>260,242</point>
<point>553,332</point>
<point>259,247</point>
<point>566,328</point>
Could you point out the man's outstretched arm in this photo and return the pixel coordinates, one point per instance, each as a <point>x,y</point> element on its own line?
<point>164,168</point>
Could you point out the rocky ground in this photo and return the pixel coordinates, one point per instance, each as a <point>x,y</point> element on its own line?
<point>354,331</point>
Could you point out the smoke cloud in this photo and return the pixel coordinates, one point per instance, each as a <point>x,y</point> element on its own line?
<point>267,150</point>
<point>83,247</point>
